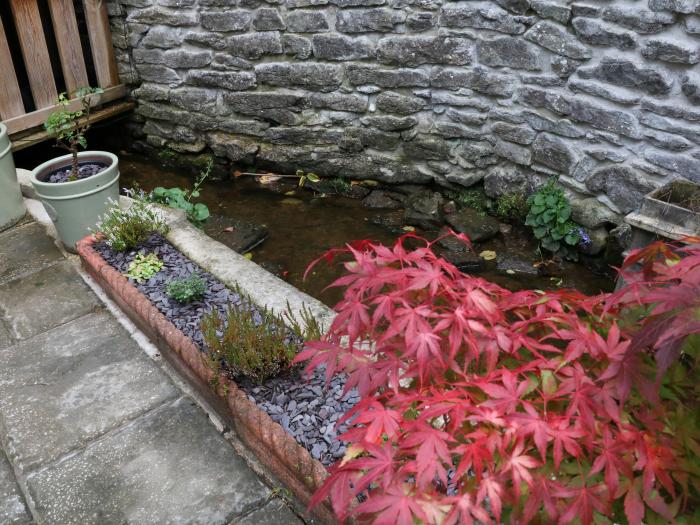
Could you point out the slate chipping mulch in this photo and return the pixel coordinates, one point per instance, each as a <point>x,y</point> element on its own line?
<point>85,170</point>
<point>306,408</point>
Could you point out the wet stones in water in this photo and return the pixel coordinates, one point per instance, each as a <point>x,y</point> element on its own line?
<point>240,236</point>
<point>424,209</point>
<point>84,171</point>
<point>516,265</point>
<point>392,221</point>
<point>475,225</point>
<point>383,199</point>
<point>458,253</point>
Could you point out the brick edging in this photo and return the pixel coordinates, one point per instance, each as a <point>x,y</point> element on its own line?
<point>272,445</point>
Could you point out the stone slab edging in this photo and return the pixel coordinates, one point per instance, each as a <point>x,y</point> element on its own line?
<point>273,446</point>
<point>234,270</point>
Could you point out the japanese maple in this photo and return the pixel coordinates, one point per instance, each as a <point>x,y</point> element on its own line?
<point>479,404</point>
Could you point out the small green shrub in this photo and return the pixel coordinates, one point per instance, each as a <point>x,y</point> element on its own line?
<point>256,351</point>
<point>339,185</point>
<point>469,198</point>
<point>254,343</point>
<point>511,207</point>
<point>124,229</point>
<point>550,219</point>
<point>188,289</point>
<point>143,267</point>
<point>69,127</point>
<point>197,213</point>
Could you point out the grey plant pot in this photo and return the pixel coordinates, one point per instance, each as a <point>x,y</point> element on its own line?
<point>11,204</point>
<point>75,206</point>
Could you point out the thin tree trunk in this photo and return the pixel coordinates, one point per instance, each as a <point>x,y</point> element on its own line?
<point>76,167</point>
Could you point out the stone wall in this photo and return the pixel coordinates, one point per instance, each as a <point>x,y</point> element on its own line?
<point>604,94</point>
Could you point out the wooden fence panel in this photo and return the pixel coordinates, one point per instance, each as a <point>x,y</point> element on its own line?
<point>35,51</point>
<point>11,103</point>
<point>36,57</point>
<point>65,28</point>
<point>101,43</point>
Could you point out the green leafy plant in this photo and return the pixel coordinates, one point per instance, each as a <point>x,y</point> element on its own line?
<point>143,267</point>
<point>124,229</point>
<point>303,177</point>
<point>197,213</point>
<point>550,219</point>
<point>188,289</point>
<point>167,154</point>
<point>511,206</point>
<point>69,127</point>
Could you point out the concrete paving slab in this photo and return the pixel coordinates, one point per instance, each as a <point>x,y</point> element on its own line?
<point>72,384</point>
<point>169,467</point>
<point>5,338</point>
<point>25,249</point>
<point>13,510</point>
<point>45,299</point>
<point>276,512</point>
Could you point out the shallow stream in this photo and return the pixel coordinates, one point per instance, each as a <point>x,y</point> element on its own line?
<point>303,224</point>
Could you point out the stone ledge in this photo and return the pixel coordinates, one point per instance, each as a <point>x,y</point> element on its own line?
<point>274,447</point>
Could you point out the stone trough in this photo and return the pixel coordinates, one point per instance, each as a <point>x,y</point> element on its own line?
<point>666,213</point>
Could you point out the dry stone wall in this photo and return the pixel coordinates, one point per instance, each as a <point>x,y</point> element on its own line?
<point>604,94</point>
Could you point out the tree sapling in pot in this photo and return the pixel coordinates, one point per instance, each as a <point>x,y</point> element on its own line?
<point>76,188</point>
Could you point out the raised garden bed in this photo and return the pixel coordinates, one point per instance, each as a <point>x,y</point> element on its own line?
<point>237,404</point>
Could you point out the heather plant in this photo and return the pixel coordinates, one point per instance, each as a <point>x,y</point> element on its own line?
<point>249,342</point>
<point>483,405</point>
<point>126,228</point>
<point>191,288</point>
<point>256,343</point>
<point>306,327</point>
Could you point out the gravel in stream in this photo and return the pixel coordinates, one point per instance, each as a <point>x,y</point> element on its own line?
<point>306,408</point>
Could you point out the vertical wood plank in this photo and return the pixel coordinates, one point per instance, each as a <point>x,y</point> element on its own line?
<point>65,27</point>
<point>10,96</point>
<point>101,43</point>
<point>35,52</point>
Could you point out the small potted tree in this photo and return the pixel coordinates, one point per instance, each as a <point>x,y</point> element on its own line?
<point>76,188</point>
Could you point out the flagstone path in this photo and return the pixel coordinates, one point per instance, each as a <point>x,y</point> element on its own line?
<point>92,430</point>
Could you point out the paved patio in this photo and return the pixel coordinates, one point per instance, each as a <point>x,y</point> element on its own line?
<point>94,431</point>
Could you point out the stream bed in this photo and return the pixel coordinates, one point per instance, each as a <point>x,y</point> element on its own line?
<point>293,226</point>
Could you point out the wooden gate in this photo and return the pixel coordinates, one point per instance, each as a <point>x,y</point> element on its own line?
<point>41,52</point>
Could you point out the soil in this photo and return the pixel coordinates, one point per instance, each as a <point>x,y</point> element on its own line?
<point>306,408</point>
<point>85,170</point>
